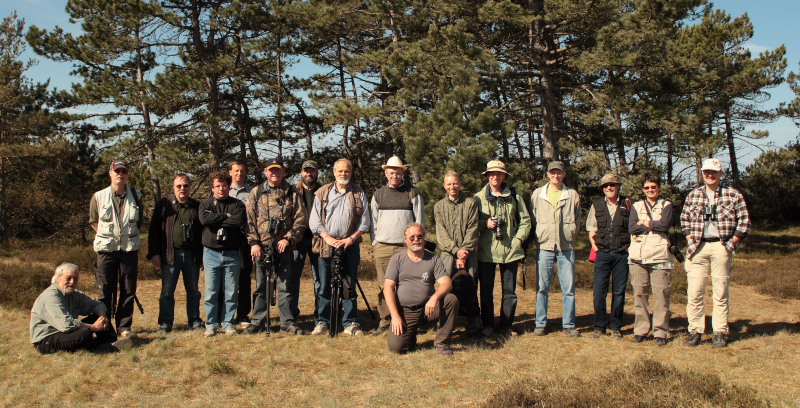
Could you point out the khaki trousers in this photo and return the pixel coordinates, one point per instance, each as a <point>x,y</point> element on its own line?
<point>713,257</point>
<point>643,278</point>
<point>382,253</point>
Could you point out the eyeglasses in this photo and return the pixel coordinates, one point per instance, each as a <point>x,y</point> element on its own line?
<point>650,188</point>
<point>121,171</point>
<point>182,185</point>
<point>416,237</point>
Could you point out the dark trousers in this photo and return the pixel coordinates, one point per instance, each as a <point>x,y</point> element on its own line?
<point>245,291</point>
<point>302,251</point>
<point>446,313</point>
<point>118,267</point>
<point>82,338</point>
<point>467,293</point>
<point>610,266</point>
<point>508,307</point>
<point>288,288</point>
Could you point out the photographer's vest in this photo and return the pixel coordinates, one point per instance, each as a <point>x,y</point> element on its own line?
<point>353,194</point>
<point>115,233</point>
<point>612,234</point>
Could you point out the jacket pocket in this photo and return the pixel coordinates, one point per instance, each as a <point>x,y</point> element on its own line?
<point>106,213</point>
<point>569,232</point>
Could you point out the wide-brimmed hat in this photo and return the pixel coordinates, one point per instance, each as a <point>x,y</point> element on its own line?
<point>276,162</point>
<point>495,165</point>
<point>556,165</point>
<point>712,164</point>
<point>395,161</point>
<point>610,179</point>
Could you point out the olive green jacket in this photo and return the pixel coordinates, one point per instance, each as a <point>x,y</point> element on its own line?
<point>511,207</point>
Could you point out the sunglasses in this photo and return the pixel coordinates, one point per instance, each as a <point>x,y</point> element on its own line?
<point>121,171</point>
<point>605,186</point>
<point>416,237</point>
<point>650,188</point>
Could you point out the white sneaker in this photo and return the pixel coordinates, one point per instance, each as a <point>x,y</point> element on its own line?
<point>320,329</point>
<point>230,331</point>
<point>353,330</point>
<point>125,334</point>
<point>210,332</point>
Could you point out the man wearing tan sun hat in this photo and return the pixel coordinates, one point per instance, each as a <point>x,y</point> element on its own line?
<point>393,206</point>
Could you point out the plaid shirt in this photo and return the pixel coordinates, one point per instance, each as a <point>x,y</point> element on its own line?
<point>732,217</point>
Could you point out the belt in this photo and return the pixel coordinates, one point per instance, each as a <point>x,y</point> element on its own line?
<point>710,240</point>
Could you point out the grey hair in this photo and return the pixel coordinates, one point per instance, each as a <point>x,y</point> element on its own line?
<point>412,225</point>
<point>343,160</point>
<point>64,267</point>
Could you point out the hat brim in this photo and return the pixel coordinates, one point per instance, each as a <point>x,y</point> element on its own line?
<point>609,182</point>
<point>274,165</point>
<point>386,166</point>
<point>501,170</point>
<point>709,168</point>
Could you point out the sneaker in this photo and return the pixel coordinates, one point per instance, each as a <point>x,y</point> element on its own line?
<point>637,338</point>
<point>123,344</point>
<point>210,332</point>
<point>719,340</point>
<point>616,335</point>
<point>380,330</point>
<point>230,331</point>
<point>693,339</point>
<point>125,334</point>
<point>244,322</point>
<point>354,330</point>
<point>198,325</point>
<point>572,332</point>
<point>292,329</point>
<point>596,334</point>
<point>320,329</point>
<point>444,350</point>
<point>539,331</point>
<point>163,330</point>
<point>661,341</point>
<point>251,329</point>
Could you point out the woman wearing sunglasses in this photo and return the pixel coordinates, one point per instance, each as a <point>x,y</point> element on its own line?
<point>651,262</point>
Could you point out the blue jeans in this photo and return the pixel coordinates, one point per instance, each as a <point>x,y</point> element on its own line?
<point>351,259</point>
<point>610,266</point>
<point>566,276</point>
<point>302,251</point>
<point>184,261</point>
<point>508,306</point>
<point>288,285</point>
<point>222,272</point>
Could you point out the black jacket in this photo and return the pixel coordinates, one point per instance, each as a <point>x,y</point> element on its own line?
<point>213,217</point>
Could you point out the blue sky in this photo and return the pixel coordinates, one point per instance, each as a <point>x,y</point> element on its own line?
<point>775,23</point>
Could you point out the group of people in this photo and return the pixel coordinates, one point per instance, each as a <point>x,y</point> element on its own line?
<point>276,226</point>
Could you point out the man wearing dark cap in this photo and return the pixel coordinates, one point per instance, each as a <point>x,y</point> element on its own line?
<point>115,214</point>
<point>277,220</point>
<point>307,187</point>
<point>556,209</point>
<point>607,224</point>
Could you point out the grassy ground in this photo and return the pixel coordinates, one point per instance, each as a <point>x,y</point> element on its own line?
<point>183,368</point>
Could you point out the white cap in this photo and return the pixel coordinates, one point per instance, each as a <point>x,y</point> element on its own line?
<point>712,164</point>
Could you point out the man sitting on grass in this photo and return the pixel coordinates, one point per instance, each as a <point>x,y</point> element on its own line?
<point>411,297</point>
<point>54,318</point>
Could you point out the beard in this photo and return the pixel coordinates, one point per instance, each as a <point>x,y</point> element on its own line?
<point>342,181</point>
<point>416,247</point>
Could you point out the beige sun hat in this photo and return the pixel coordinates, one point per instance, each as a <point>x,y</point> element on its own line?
<point>495,165</point>
<point>609,179</point>
<point>395,161</point>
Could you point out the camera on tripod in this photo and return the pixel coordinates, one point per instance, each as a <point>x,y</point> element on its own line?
<point>276,225</point>
<point>498,230</point>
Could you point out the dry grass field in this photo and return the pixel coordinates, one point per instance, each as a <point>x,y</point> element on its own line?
<point>183,368</point>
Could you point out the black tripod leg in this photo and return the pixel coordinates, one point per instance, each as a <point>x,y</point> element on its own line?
<point>363,296</point>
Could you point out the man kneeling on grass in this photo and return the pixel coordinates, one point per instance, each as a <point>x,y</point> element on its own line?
<point>411,297</point>
<point>54,318</point>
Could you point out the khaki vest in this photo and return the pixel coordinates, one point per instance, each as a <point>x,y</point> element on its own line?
<point>115,234</point>
<point>653,247</point>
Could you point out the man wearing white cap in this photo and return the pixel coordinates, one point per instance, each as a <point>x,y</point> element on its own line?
<point>714,220</point>
<point>393,207</point>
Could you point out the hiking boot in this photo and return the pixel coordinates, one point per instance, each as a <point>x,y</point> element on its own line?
<point>507,332</point>
<point>637,338</point>
<point>380,330</point>
<point>210,332</point>
<point>596,334</point>
<point>292,329</point>
<point>487,331</point>
<point>198,325</point>
<point>353,330</point>
<point>230,331</point>
<point>163,330</point>
<point>616,335</point>
<point>320,329</point>
<point>251,329</point>
<point>693,339</point>
<point>445,350</point>
<point>660,341</point>
<point>719,340</point>
<point>572,332</point>
<point>539,331</point>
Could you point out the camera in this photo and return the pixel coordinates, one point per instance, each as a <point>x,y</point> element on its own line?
<point>498,231</point>
<point>710,213</point>
<point>276,225</point>
<point>187,232</point>
<point>338,252</point>
<point>221,237</point>
<point>676,252</point>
